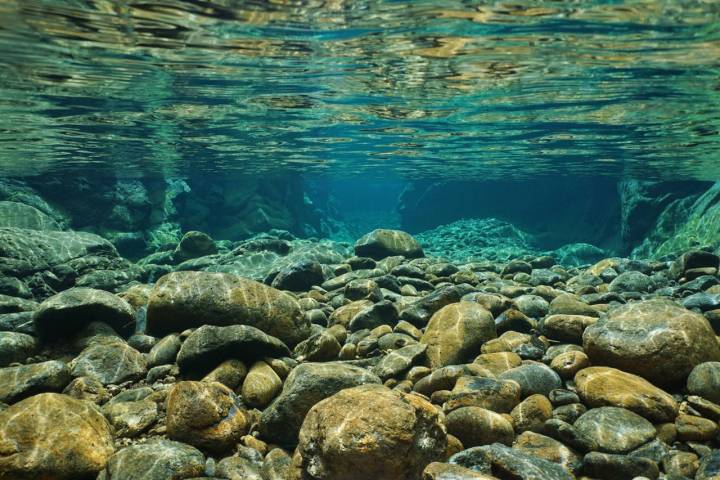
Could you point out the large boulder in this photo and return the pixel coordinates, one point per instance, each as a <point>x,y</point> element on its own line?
<point>307,384</point>
<point>182,300</point>
<point>371,432</point>
<point>656,339</point>
<point>69,311</point>
<point>382,243</point>
<point>53,436</point>
<point>155,460</point>
<point>456,332</point>
<point>207,415</point>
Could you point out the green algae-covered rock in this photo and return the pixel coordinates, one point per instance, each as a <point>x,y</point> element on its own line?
<point>19,215</point>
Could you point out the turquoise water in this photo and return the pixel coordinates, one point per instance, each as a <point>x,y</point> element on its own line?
<point>421,89</point>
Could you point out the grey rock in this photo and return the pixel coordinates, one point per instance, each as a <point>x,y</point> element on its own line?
<point>611,466</point>
<point>533,378</point>
<point>209,345</point>
<point>15,347</point>
<point>508,462</point>
<point>704,381</point>
<point>155,460</point>
<point>27,380</point>
<point>110,362</point>
<point>615,430</point>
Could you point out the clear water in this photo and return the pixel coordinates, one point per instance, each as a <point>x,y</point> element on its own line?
<point>413,89</point>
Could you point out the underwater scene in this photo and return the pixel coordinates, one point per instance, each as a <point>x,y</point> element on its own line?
<point>359,240</point>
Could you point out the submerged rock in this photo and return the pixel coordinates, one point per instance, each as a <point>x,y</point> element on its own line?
<point>155,460</point>
<point>183,300</point>
<point>655,339</point>
<point>71,310</point>
<point>53,436</point>
<point>382,243</point>
<point>371,432</point>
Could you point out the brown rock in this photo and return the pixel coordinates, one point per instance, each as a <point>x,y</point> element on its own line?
<point>261,385</point>
<point>531,413</point>
<point>53,436</point>
<point>456,332</point>
<point>205,415</point>
<point>695,429</point>
<point>569,363</point>
<point>605,386</point>
<point>370,432</point>
<point>476,426</point>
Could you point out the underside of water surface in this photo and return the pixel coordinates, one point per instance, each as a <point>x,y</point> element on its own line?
<point>359,240</point>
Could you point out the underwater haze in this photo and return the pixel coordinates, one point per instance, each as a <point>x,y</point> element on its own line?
<point>359,240</point>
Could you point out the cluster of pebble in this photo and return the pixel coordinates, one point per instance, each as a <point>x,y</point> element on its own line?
<point>387,365</point>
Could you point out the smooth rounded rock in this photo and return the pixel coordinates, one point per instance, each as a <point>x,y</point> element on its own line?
<point>655,339</point>
<point>704,381</point>
<point>476,426</point>
<point>69,311</point>
<point>456,332</point>
<point>155,460</point>
<point>371,432</point>
<point>605,386</point>
<point>205,415</point>
<point>382,243</point>
<point>15,347</point>
<point>185,299</point>
<point>615,430</point>
<point>53,436</point>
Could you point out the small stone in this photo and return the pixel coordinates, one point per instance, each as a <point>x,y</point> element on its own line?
<point>446,471</point>
<point>569,304</point>
<point>69,311</point>
<point>194,244</point>
<point>131,418</point>
<point>382,243</point>
<point>549,449</point>
<point>531,414</point>
<point>683,464</point>
<point>261,385</point>
<point>569,363</point>
<point>238,468</point>
<point>566,328</point>
<point>498,362</point>
<point>518,464</point>
<point>164,351</point>
<point>299,276</point>
<point>230,373</point>
<point>709,468</point>
<point>110,362</point>
<point>307,384</point>
<point>87,388</point>
<point>398,361</point>
<point>496,395</point>
<point>533,378</point>
<point>320,347</point>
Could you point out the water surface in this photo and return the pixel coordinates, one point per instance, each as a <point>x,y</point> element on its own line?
<point>415,89</point>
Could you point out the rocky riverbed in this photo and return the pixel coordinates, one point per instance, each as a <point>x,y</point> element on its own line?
<point>278,358</point>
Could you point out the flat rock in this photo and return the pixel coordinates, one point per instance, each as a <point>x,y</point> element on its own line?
<point>655,339</point>
<point>447,471</point>
<point>370,432</point>
<point>605,386</point>
<point>615,430</point>
<point>182,300</point>
<point>155,460</point>
<point>398,361</point>
<point>208,346</point>
<point>69,311</point>
<point>54,436</point>
<point>307,384</point>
